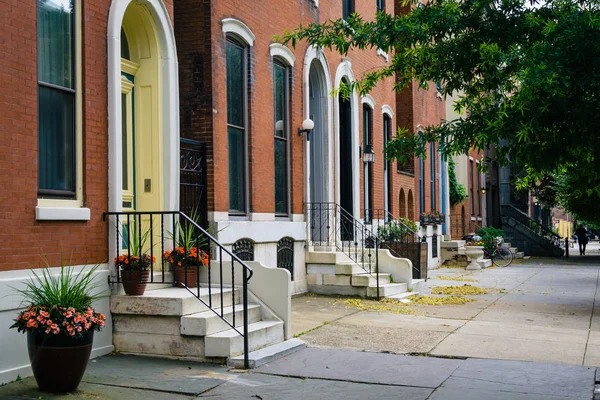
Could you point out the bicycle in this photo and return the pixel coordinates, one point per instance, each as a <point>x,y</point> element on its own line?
<point>500,256</point>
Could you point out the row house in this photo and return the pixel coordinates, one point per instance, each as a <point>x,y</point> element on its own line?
<point>163,106</point>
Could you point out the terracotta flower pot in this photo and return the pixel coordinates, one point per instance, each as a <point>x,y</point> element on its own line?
<point>134,282</point>
<point>190,273</point>
<point>59,362</point>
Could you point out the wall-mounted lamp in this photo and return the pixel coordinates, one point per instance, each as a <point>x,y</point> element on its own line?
<point>483,191</point>
<point>307,126</point>
<point>368,156</point>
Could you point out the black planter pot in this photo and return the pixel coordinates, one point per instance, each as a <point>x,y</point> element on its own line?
<point>59,362</point>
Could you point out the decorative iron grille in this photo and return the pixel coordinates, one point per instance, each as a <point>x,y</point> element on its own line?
<point>244,249</point>
<point>285,254</point>
<point>434,245</point>
<point>192,175</point>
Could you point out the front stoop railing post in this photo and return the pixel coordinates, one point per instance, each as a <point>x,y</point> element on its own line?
<point>245,292</point>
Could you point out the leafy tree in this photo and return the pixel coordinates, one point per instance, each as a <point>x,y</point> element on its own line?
<point>527,77</point>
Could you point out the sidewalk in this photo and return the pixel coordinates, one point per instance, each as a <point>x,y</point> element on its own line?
<point>540,310</point>
<point>315,373</point>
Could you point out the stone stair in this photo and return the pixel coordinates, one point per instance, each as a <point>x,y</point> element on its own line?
<point>171,322</point>
<point>514,250</point>
<point>335,273</point>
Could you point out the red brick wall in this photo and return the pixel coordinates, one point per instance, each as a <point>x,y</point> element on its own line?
<point>23,238</point>
<point>287,15</point>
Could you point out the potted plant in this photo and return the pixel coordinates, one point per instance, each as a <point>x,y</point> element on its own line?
<point>427,218</point>
<point>474,252</point>
<point>187,257</point>
<point>59,322</point>
<point>135,266</point>
<point>439,217</point>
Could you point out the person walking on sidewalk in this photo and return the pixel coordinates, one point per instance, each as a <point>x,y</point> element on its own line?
<point>581,233</point>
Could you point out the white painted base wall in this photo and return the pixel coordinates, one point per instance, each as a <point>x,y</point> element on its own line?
<point>265,235</point>
<point>429,231</point>
<point>14,360</point>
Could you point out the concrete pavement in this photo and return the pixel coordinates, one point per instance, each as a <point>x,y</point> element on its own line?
<point>331,374</point>
<point>541,310</point>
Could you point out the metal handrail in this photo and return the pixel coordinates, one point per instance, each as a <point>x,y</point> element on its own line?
<point>131,234</point>
<point>403,246</point>
<point>533,225</point>
<point>331,225</point>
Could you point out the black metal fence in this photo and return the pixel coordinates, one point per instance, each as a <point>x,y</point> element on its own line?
<point>150,235</point>
<point>400,239</point>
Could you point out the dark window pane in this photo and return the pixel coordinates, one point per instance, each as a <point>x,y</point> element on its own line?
<point>279,78</point>
<point>56,140</point>
<point>124,46</point>
<point>55,36</point>
<point>347,8</point>
<point>235,84</point>
<point>380,5</point>
<point>125,149</point>
<point>280,176</point>
<point>236,169</point>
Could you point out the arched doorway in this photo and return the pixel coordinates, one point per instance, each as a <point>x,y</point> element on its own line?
<point>411,206</point>
<point>141,133</point>
<point>143,114</point>
<point>318,139</point>
<point>402,204</point>
<point>345,162</point>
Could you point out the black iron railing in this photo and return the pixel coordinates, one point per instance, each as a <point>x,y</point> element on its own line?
<point>513,214</point>
<point>332,226</point>
<point>149,235</point>
<point>400,239</point>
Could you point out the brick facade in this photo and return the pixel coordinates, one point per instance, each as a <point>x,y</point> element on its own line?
<point>202,84</point>
<point>24,239</point>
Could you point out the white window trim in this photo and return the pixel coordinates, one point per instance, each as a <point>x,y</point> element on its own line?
<point>281,51</point>
<point>62,213</point>
<point>387,110</point>
<point>237,27</point>
<point>368,100</point>
<point>71,209</point>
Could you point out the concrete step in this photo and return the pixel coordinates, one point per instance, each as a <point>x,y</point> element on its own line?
<point>230,343</point>
<point>513,250</point>
<point>207,322</point>
<point>369,280</point>
<point>484,262</point>
<point>506,245</point>
<point>353,268</point>
<point>519,254</point>
<point>267,354</point>
<point>172,301</point>
<point>405,295</point>
<point>387,290</point>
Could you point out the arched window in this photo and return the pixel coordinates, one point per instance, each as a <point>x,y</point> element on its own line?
<point>402,204</point>
<point>285,254</point>
<point>411,206</point>
<point>368,166</point>
<point>244,249</point>
<point>281,123</point>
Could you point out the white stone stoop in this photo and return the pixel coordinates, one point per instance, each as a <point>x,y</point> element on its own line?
<point>334,273</point>
<point>171,322</point>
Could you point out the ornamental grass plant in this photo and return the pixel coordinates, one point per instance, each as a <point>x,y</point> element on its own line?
<point>60,304</point>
